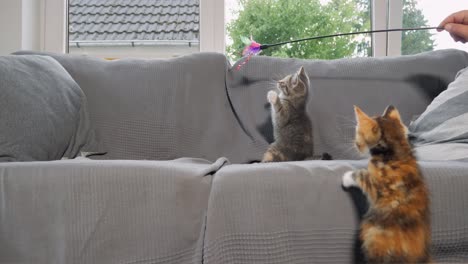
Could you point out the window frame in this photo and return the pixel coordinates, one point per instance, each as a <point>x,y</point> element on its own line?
<point>379,21</point>
<point>54,24</point>
<point>212,28</point>
<point>386,14</point>
<point>395,20</point>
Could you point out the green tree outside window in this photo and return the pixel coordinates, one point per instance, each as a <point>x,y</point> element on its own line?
<point>271,21</point>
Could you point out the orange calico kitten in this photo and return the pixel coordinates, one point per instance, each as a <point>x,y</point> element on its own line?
<point>396,228</point>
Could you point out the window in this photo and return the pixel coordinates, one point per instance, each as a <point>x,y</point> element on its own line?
<point>331,16</point>
<point>272,21</point>
<point>431,13</point>
<point>278,20</point>
<point>123,28</point>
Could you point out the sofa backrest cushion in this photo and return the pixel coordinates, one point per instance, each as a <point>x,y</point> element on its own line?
<point>161,109</point>
<point>408,82</point>
<point>43,114</point>
<point>441,132</point>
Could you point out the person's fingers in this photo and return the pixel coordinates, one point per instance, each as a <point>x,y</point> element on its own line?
<point>459,30</point>
<point>449,19</point>
<point>460,17</point>
<point>455,37</point>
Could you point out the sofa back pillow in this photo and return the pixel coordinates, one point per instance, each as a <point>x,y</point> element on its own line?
<point>43,113</point>
<point>162,109</point>
<point>441,132</point>
<point>408,82</point>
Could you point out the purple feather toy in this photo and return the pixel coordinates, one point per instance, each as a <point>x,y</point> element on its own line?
<point>252,48</point>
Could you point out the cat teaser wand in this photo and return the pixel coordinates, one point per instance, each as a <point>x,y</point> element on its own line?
<point>253,48</point>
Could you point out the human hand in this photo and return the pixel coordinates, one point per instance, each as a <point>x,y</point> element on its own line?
<point>457,25</point>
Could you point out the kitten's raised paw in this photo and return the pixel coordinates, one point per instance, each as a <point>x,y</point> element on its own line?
<point>272,97</point>
<point>348,180</point>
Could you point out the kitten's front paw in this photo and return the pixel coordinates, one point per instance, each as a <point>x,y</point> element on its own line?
<point>348,180</point>
<point>272,97</point>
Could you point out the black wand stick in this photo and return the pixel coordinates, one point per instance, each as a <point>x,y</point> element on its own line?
<point>265,46</point>
<point>254,48</point>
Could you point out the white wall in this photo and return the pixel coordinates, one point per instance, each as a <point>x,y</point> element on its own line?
<point>20,25</point>
<point>10,26</point>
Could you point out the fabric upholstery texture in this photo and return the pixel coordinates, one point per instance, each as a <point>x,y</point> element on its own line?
<point>297,212</point>
<point>43,112</point>
<point>86,211</point>
<point>441,131</point>
<point>162,109</point>
<point>209,210</point>
<point>408,82</point>
<point>170,114</point>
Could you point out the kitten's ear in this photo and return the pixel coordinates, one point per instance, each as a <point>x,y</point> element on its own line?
<point>364,121</point>
<point>302,75</point>
<point>301,71</point>
<point>361,117</point>
<point>392,112</point>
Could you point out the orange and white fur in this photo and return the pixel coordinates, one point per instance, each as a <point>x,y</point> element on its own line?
<point>396,228</point>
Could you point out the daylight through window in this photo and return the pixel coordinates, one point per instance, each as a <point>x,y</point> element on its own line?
<point>125,28</point>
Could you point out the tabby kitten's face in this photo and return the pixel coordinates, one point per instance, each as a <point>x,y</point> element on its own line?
<point>294,86</point>
<point>369,129</point>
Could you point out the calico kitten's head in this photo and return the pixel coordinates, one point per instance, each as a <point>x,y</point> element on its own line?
<point>294,86</point>
<point>379,132</point>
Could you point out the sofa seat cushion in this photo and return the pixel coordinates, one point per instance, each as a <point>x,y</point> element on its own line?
<point>88,211</point>
<point>297,212</point>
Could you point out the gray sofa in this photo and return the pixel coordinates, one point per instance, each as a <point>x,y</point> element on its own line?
<point>180,183</point>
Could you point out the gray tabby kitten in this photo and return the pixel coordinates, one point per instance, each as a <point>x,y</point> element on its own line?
<point>292,127</point>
